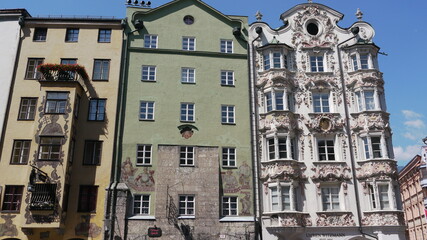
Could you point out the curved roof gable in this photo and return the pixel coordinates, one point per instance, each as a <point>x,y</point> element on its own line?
<point>300,7</point>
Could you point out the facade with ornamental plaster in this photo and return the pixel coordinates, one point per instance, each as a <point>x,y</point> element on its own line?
<point>325,159</point>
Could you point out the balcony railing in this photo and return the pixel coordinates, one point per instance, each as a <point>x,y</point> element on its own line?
<point>62,72</point>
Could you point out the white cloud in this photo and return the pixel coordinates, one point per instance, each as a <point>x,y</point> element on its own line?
<point>405,154</point>
<point>411,114</point>
<point>418,123</point>
<point>411,136</point>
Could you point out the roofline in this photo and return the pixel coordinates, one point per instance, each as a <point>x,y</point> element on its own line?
<point>20,11</point>
<point>67,22</point>
<point>409,165</point>
<point>288,12</point>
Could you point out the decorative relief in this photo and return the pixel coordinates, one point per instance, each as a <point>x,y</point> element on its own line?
<point>295,220</point>
<point>383,219</point>
<point>337,172</point>
<point>335,219</point>
<point>378,169</point>
<point>8,228</point>
<point>365,78</point>
<point>276,77</point>
<point>327,39</point>
<point>283,170</point>
<point>370,121</point>
<point>278,121</point>
<point>324,123</point>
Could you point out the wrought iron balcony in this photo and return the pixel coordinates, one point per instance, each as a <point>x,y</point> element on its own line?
<point>62,72</point>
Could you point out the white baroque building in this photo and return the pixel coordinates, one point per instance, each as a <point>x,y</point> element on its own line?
<point>325,162</point>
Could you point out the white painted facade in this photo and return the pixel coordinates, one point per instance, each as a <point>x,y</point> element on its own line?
<point>9,39</point>
<point>322,125</point>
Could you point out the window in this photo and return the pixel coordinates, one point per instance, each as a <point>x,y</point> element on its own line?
<point>316,63</point>
<point>143,154</point>
<point>12,198</point>
<point>366,100</point>
<point>40,34</point>
<point>43,197</point>
<point>188,75</point>
<point>104,35</point>
<point>68,75</point>
<point>321,102</point>
<point>188,20</point>
<point>189,43</point>
<point>148,73</point>
<point>330,198</point>
<point>229,206</point>
<point>283,197</point>
<point>379,196</point>
<point>372,146</point>
<point>20,152</point>
<point>280,147</point>
<point>50,148</point>
<point>187,112</point>
<point>56,102</point>
<point>96,110</point>
<point>226,46</point>
<point>27,109</point>
<point>93,150</point>
<point>141,204</point>
<point>186,205</point>
<point>266,61</point>
<point>275,59</point>
<point>360,61</point>
<point>72,35</point>
<point>31,72</point>
<point>326,149</point>
<point>228,157</point>
<point>101,69</point>
<point>227,114</point>
<point>186,156</point>
<point>278,100</point>
<point>227,78</point>
<point>150,41</point>
<point>146,110</point>
<point>87,198</point>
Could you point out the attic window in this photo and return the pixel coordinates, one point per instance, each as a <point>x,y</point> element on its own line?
<point>312,29</point>
<point>188,20</point>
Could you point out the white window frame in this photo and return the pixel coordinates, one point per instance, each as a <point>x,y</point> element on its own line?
<point>187,112</point>
<point>273,141</point>
<point>326,148</point>
<point>323,107</point>
<point>139,198</point>
<point>272,97</point>
<point>361,64</point>
<point>271,57</point>
<point>153,41</point>
<point>367,146</point>
<point>229,207</point>
<point>330,205</point>
<point>188,43</point>
<point>144,110</point>
<point>317,63</point>
<point>188,75</point>
<point>378,200</point>
<point>227,78</point>
<point>226,46</point>
<point>144,154</point>
<point>361,100</point>
<point>226,112</point>
<point>150,75</point>
<point>229,157</point>
<point>186,201</point>
<point>186,156</point>
<point>282,204</point>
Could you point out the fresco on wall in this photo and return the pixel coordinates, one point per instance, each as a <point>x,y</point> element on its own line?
<point>245,173</point>
<point>86,228</point>
<point>230,183</point>
<point>245,203</point>
<point>142,182</point>
<point>8,228</point>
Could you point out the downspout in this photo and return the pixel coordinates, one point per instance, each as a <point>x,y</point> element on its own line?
<point>355,31</point>
<point>254,138</point>
<point>117,150</point>
<point>21,23</point>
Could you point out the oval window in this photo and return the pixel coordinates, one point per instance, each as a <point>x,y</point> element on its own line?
<point>188,20</point>
<point>312,29</point>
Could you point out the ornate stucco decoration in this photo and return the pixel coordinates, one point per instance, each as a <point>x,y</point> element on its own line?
<point>383,218</point>
<point>276,78</point>
<point>294,220</point>
<point>377,169</point>
<point>370,121</point>
<point>287,170</point>
<point>324,123</point>
<point>278,120</point>
<point>326,39</point>
<point>365,78</point>
<point>331,172</point>
<point>335,219</point>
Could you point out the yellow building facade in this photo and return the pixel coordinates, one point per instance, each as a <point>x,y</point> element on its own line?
<point>57,150</point>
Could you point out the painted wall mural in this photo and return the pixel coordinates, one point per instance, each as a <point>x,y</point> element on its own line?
<point>8,228</point>
<point>142,181</point>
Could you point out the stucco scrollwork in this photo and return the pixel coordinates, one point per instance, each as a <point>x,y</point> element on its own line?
<point>365,78</point>
<point>278,120</point>
<point>324,123</point>
<point>331,172</point>
<point>370,121</point>
<point>377,169</point>
<point>275,77</point>
<point>283,170</point>
<point>335,220</point>
<point>383,219</point>
<point>295,220</point>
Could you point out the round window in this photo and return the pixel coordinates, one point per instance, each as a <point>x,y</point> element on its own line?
<point>312,29</point>
<point>188,20</point>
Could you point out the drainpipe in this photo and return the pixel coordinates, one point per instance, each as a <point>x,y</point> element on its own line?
<point>254,138</point>
<point>355,31</point>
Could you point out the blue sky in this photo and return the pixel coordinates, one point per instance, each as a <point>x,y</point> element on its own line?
<point>400,32</point>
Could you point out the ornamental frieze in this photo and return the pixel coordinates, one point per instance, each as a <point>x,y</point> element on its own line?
<point>278,120</point>
<point>335,219</point>
<point>369,121</point>
<point>383,219</point>
<point>365,78</point>
<point>378,169</point>
<point>283,170</point>
<point>337,172</point>
<point>294,220</point>
<point>324,123</point>
<point>276,78</point>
